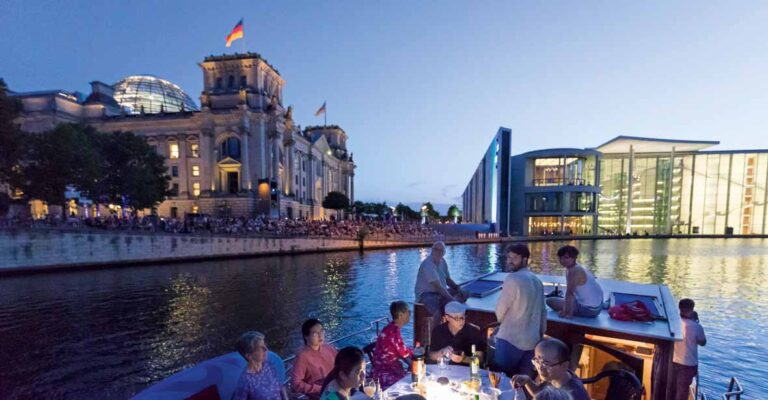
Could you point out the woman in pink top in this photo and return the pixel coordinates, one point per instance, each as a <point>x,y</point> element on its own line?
<point>314,362</point>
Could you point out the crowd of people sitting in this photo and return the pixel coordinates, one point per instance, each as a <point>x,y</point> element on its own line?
<point>537,365</point>
<point>263,226</point>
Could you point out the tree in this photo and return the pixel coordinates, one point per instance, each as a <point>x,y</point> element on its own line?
<point>454,212</point>
<point>406,213</point>
<point>429,210</point>
<point>11,137</point>
<point>336,201</point>
<point>54,160</point>
<point>130,173</point>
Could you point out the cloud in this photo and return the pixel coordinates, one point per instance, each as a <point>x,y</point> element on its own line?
<point>415,184</point>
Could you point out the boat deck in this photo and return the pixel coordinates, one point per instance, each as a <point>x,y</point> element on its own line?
<point>664,330</point>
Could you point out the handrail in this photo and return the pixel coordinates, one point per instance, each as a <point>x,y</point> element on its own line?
<point>734,389</point>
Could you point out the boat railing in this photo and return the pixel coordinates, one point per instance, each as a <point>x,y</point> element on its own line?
<point>734,390</point>
<point>375,325</point>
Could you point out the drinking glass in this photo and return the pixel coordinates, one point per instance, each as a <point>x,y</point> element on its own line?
<point>494,377</point>
<point>445,359</point>
<point>369,387</point>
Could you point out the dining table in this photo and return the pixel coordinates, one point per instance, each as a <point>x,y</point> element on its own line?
<point>450,382</point>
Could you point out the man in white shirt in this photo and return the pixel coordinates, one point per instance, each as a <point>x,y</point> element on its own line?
<point>521,313</point>
<point>685,360</point>
<point>434,286</point>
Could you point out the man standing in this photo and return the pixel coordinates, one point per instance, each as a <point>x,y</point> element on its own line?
<point>685,360</point>
<point>455,337</point>
<point>583,295</point>
<point>521,313</point>
<point>434,284</point>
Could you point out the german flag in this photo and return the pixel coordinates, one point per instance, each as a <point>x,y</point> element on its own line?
<point>237,33</point>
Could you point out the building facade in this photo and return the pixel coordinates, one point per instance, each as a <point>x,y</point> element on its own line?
<point>554,191</point>
<point>637,186</point>
<point>240,154</point>
<point>486,197</point>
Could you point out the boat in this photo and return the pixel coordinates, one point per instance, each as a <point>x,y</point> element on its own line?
<point>642,348</point>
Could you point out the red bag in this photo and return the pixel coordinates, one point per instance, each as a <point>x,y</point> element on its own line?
<point>632,311</point>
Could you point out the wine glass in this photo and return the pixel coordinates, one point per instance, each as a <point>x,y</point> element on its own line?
<point>369,387</point>
<point>494,377</point>
<point>445,359</point>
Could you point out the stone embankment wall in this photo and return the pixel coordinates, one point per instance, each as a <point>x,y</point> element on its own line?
<point>26,251</point>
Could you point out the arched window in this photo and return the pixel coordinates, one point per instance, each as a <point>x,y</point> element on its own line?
<point>231,82</point>
<point>231,148</point>
<point>243,81</point>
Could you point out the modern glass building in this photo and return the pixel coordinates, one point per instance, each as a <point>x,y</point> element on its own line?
<point>486,198</point>
<point>677,188</point>
<point>554,192</point>
<point>635,185</point>
<point>150,94</point>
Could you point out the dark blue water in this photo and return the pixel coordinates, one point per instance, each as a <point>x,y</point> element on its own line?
<point>110,333</point>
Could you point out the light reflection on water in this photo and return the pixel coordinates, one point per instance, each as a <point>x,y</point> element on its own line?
<point>110,333</point>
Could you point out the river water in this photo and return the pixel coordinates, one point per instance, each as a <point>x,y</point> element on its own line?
<point>109,333</point>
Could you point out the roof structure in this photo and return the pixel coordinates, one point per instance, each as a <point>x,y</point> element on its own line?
<point>621,144</point>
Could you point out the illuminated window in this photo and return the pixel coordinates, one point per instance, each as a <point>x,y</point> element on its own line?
<point>196,189</point>
<point>173,150</point>
<point>195,170</point>
<point>194,150</point>
<point>195,210</point>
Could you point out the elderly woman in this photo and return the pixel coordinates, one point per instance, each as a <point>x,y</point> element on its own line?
<point>314,362</point>
<point>259,380</point>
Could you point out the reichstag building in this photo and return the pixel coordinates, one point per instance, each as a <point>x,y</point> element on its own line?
<point>239,154</point>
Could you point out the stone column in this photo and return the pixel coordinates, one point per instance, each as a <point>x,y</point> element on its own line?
<point>631,183</point>
<point>183,173</point>
<point>245,170</point>
<point>352,187</point>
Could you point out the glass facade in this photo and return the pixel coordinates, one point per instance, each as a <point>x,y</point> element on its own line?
<point>151,95</point>
<point>564,171</point>
<point>556,225</point>
<point>694,193</point>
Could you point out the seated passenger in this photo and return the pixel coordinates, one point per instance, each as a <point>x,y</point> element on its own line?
<point>390,349</point>
<point>259,380</point>
<point>314,362</point>
<point>347,374</point>
<point>552,393</point>
<point>454,338</point>
<point>583,295</point>
<point>551,361</point>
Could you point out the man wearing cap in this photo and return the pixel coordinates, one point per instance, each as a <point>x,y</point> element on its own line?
<point>521,314</point>
<point>455,336</point>
<point>434,286</point>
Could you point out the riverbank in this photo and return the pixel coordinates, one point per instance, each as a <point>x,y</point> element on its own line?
<point>24,251</point>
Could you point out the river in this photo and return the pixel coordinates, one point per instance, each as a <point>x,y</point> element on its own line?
<point>109,333</point>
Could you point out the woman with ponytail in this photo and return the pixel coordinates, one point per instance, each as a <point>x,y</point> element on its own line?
<point>348,373</point>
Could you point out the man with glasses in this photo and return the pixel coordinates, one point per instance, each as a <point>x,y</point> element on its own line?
<point>551,361</point>
<point>434,286</point>
<point>521,314</point>
<point>454,338</point>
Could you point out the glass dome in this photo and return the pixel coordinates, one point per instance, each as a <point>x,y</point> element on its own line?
<point>151,92</point>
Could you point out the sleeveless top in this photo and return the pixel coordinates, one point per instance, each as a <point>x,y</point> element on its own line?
<point>589,294</point>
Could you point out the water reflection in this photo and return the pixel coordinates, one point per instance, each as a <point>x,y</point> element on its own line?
<point>109,333</point>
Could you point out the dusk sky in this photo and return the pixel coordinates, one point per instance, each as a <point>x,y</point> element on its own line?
<point>421,87</point>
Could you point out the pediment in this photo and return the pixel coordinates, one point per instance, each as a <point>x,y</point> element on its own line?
<point>229,161</point>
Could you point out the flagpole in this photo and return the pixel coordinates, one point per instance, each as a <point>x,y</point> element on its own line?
<point>325,114</point>
<point>243,36</point>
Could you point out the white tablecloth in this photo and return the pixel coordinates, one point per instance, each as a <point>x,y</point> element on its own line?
<point>454,373</point>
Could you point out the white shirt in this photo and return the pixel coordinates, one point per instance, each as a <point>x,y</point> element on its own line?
<point>429,273</point>
<point>687,350</point>
<point>590,293</point>
<point>520,310</point>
